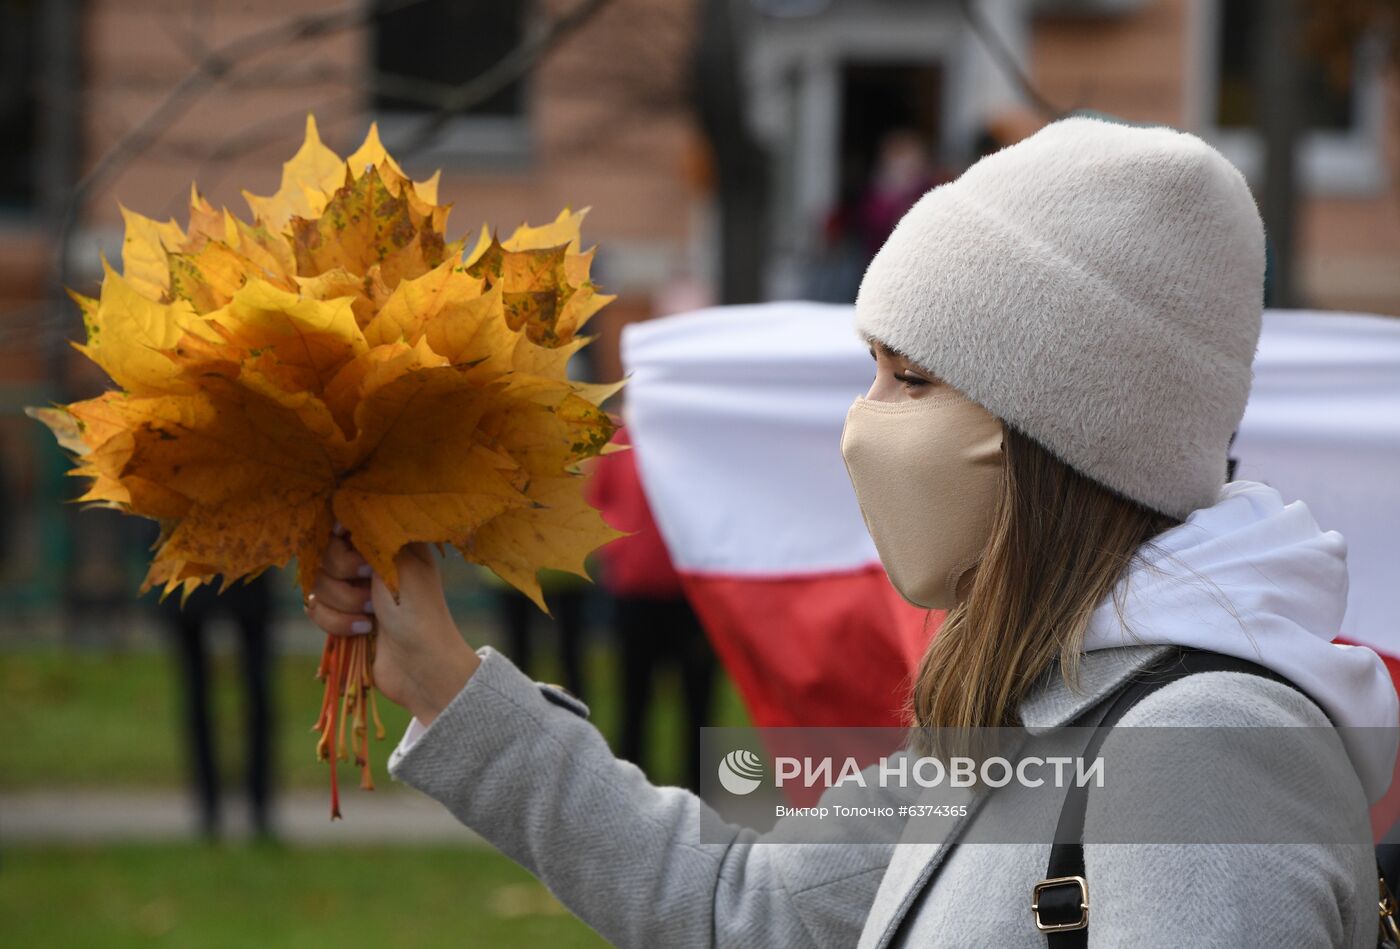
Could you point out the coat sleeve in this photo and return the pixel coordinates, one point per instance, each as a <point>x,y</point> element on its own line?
<point>1248,826</point>
<point>521,766</point>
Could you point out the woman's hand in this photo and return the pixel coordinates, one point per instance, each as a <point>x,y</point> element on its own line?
<point>420,659</point>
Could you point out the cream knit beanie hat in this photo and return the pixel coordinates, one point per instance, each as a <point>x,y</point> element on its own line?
<point>1098,287</point>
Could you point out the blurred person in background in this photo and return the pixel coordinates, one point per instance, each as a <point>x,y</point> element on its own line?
<point>903,174</point>
<point>656,627</point>
<point>855,229</point>
<point>565,594</point>
<point>250,607</point>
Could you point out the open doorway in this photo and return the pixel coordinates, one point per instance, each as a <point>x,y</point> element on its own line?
<point>890,137</point>
<point>882,98</point>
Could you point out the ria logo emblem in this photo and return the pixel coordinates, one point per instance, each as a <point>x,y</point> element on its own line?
<point>740,772</point>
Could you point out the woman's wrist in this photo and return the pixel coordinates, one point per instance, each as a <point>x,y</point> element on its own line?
<point>440,679</point>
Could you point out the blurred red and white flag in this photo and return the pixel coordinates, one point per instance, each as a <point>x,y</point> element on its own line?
<point>737,412</point>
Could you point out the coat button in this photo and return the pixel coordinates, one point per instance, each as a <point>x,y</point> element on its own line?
<point>562,697</point>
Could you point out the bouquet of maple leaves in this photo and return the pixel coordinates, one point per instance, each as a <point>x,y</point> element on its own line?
<point>338,359</point>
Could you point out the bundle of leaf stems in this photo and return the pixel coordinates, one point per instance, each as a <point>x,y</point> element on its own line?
<point>347,669</point>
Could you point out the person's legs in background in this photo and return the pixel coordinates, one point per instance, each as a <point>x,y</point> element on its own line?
<point>635,619</point>
<point>513,609</point>
<point>653,633</point>
<point>566,606</point>
<point>187,630</point>
<point>568,609</point>
<point>696,659</point>
<point>251,606</point>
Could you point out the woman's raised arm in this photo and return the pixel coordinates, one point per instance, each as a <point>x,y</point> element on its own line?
<point>519,763</point>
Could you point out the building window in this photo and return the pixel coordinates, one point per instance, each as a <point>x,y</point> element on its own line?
<point>1327,103</point>
<point>1341,117</point>
<point>18,111</point>
<point>427,48</point>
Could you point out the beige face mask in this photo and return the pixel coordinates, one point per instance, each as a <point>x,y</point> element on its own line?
<point>926,475</point>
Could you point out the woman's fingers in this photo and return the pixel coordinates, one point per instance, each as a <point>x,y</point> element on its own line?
<point>343,595</point>
<point>340,600</point>
<point>337,622</point>
<point>343,562</point>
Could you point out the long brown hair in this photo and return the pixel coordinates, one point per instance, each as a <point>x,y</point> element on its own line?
<point>1059,543</point>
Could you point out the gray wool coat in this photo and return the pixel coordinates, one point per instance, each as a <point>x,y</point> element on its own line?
<point>519,763</point>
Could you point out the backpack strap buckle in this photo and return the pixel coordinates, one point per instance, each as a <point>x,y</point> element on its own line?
<point>1390,929</point>
<point>1060,904</point>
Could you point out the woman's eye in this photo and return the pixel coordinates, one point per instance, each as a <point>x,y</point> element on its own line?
<point>911,381</point>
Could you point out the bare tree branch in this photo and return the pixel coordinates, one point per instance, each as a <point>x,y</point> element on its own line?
<point>1005,59</point>
<point>218,64</point>
<point>210,69</point>
<point>446,99</point>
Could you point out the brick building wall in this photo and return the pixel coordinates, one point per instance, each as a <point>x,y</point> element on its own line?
<point>1147,67</point>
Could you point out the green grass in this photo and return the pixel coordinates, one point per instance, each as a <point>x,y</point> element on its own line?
<point>85,719</point>
<point>88,719</point>
<point>210,898</point>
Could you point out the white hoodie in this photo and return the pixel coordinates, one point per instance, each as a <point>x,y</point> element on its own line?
<point>1257,579</point>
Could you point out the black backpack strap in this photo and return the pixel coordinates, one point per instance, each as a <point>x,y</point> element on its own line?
<point>1060,902</point>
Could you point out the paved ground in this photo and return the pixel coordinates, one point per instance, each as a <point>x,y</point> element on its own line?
<point>76,817</point>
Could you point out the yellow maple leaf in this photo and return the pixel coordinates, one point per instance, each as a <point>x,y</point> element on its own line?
<point>312,174</point>
<point>419,302</point>
<point>126,332</point>
<point>144,249</point>
<point>557,531</point>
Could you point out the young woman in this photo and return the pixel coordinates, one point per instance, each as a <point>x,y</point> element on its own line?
<point>1063,340</point>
